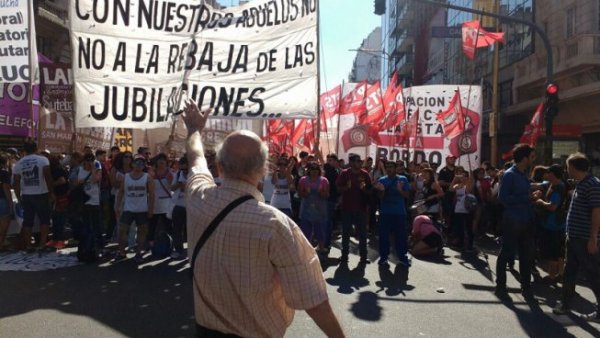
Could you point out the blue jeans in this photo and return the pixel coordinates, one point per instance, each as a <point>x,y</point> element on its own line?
<point>396,224</point>
<point>359,220</point>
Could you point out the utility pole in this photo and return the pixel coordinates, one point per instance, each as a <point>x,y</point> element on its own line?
<point>549,59</point>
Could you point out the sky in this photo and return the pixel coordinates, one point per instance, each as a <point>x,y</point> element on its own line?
<point>343,24</point>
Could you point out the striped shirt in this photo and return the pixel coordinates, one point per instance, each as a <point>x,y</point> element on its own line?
<point>255,269</point>
<point>585,198</point>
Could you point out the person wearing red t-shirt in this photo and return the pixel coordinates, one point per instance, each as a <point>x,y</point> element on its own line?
<point>354,184</point>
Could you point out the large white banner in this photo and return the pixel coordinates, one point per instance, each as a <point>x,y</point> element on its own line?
<point>430,144</point>
<point>16,54</point>
<point>134,60</point>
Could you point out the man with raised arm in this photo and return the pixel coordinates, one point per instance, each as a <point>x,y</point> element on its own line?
<point>257,267</point>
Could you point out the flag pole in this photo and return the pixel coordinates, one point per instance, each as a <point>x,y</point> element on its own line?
<point>31,74</point>
<point>318,137</point>
<point>339,118</point>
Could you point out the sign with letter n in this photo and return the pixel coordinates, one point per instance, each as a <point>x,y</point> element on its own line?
<point>135,62</point>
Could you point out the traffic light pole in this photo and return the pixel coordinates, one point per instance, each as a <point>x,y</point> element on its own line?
<point>549,118</point>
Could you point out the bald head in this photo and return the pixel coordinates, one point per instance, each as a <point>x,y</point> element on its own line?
<point>242,155</point>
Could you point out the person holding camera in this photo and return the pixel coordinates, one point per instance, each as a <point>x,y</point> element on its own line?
<point>462,224</point>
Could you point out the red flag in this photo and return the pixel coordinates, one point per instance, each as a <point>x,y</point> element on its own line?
<point>360,136</point>
<point>354,102</point>
<point>304,134</point>
<point>393,103</point>
<point>532,131</point>
<point>374,104</point>
<point>330,102</point>
<point>476,37</point>
<point>298,132</point>
<point>453,119</point>
<point>278,135</point>
<point>466,142</point>
<point>408,129</point>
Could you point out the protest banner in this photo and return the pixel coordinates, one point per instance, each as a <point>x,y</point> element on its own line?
<point>16,51</point>
<point>133,61</point>
<point>15,111</point>
<point>429,143</point>
<point>56,109</point>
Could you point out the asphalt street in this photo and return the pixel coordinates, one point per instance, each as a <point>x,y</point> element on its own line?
<point>447,297</point>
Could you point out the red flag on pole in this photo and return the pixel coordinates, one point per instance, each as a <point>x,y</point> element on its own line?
<point>374,106</point>
<point>354,102</point>
<point>474,37</point>
<point>453,119</point>
<point>393,103</point>
<point>532,131</point>
<point>330,102</point>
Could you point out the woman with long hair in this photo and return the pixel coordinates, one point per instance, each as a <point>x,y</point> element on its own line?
<point>462,225</point>
<point>431,193</point>
<point>162,199</point>
<point>313,190</point>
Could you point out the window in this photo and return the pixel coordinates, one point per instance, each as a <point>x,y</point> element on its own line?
<point>570,22</point>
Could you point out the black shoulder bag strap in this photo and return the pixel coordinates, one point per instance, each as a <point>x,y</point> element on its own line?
<point>213,226</point>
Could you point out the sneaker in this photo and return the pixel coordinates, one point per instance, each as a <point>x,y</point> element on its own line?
<point>51,244</point>
<point>560,308</point>
<point>594,316</point>
<point>175,255</point>
<point>139,258</point>
<point>59,245</point>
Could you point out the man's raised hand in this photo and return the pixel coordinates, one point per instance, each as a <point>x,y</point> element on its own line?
<point>194,119</point>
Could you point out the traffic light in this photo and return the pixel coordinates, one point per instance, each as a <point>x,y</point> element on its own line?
<point>379,7</point>
<point>551,100</point>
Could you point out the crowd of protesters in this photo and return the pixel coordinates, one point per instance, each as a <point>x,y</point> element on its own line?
<point>136,199</point>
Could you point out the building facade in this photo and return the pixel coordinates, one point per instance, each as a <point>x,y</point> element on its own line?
<point>367,62</point>
<point>573,28</point>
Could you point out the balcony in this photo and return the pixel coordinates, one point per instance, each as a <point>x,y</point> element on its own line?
<point>54,12</point>
<point>578,52</point>
<point>404,42</point>
<point>405,63</point>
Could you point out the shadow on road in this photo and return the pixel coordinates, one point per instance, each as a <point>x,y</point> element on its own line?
<point>367,307</point>
<point>393,283</point>
<point>152,301</point>
<point>348,280</point>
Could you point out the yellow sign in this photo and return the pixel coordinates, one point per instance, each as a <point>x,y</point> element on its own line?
<point>124,139</point>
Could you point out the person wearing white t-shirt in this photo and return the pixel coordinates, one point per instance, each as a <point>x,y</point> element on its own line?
<point>89,175</point>
<point>33,187</point>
